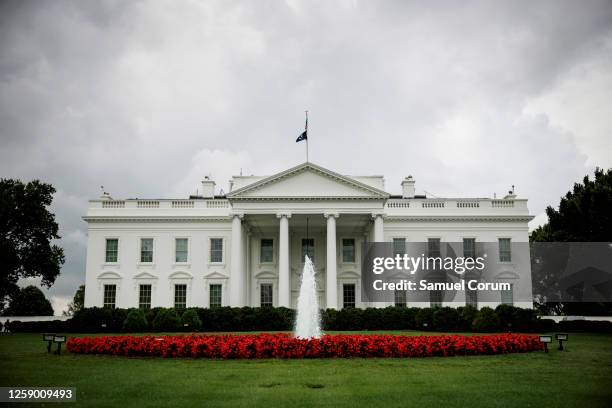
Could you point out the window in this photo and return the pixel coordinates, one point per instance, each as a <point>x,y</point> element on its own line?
<point>266,294</point>
<point>435,298</point>
<point>182,251</point>
<point>348,250</point>
<point>469,248</point>
<point>144,297</point>
<point>215,295</point>
<point>180,296</point>
<point>507,296</point>
<point>400,298</point>
<point>348,295</point>
<point>433,247</point>
<point>471,298</point>
<point>112,249</point>
<point>216,250</point>
<point>110,294</point>
<point>505,254</point>
<point>399,246</point>
<point>308,248</point>
<point>266,251</point>
<point>146,250</point>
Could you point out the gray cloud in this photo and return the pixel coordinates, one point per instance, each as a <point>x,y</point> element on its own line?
<point>148,97</point>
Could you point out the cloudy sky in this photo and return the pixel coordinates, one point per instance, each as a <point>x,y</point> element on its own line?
<point>147,98</point>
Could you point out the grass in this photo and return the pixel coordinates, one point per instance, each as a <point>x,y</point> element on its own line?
<point>580,377</point>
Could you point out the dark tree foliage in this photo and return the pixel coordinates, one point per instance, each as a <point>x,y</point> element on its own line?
<point>584,215</point>
<point>29,301</point>
<point>78,302</point>
<point>26,230</point>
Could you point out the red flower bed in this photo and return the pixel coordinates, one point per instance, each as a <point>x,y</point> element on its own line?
<point>285,346</point>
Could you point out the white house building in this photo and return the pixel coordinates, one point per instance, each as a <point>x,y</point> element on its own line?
<point>246,248</point>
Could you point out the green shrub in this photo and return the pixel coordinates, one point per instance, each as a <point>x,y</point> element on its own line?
<point>506,316</point>
<point>190,320</point>
<point>445,319</point>
<point>397,318</point>
<point>424,319</point>
<point>372,318</point>
<point>347,319</point>
<point>150,315</point>
<point>486,320</point>
<point>167,320</point>
<point>515,318</point>
<point>98,320</point>
<point>101,320</point>
<point>467,314</point>
<point>135,321</point>
<point>328,319</point>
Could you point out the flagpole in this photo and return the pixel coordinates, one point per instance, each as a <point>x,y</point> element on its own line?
<point>306,136</point>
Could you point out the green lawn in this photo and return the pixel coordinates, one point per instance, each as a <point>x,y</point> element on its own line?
<point>580,376</point>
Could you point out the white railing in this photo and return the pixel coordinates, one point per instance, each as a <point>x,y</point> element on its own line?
<point>452,205</point>
<point>433,204</point>
<point>147,204</point>
<point>217,204</point>
<point>113,204</point>
<point>502,203</point>
<point>182,204</point>
<point>398,204</point>
<point>468,204</point>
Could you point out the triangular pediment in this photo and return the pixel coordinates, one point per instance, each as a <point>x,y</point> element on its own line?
<point>308,181</point>
<point>145,275</point>
<point>215,275</point>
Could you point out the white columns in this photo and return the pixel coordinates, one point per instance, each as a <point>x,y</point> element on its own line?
<point>379,235</point>
<point>236,275</point>
<point>331,285</point>
<point>284,282</point>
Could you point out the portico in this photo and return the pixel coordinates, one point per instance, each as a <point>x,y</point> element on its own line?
<point>332,239</point>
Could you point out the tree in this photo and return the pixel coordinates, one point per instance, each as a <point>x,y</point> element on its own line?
<point>78,302</point>
<point>584,215</point>
<point>29,301</point>
<point>26,230</point>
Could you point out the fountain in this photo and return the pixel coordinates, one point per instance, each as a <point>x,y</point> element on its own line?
<point>308,321</point>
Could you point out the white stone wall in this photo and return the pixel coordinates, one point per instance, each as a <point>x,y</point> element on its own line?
<point>198,272</point>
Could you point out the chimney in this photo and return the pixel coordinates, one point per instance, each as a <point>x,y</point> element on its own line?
<point>408,187</point>
<point>208,188</point>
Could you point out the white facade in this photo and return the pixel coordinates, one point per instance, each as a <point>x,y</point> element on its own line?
<point>193,250</point>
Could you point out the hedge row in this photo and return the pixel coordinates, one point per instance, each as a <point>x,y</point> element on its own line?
<point>225,319</point>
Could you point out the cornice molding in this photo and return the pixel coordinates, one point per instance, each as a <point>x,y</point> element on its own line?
<point>309,198</point>
<point>141,219</point>
<point>441,218</point>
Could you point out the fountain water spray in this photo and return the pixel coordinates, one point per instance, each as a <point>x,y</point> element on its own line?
<point>308,321</point>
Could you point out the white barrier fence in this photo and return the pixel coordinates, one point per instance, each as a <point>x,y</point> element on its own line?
<point>557,319</point>
<point>3,319</point>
